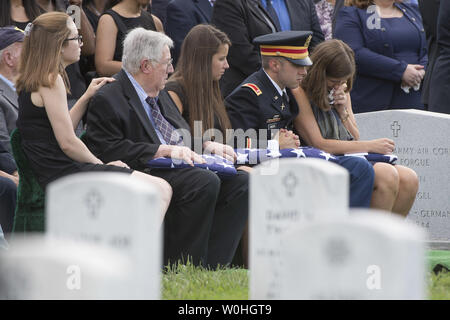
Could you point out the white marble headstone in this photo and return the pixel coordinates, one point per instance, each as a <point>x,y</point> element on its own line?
<point>40,267</point>
<point>115,211</point>
<point>369,255</point>
<point>422,143</point>
<point>301,191</point>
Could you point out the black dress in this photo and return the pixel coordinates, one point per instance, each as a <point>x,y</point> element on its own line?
<point>46,159</point>
<point>145,20</point>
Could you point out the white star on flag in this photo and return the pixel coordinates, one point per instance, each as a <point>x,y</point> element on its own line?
<point>326,155</point>
<point>299,153</point>
<point>242,157</point>
<point>392,158</point>
<point>274,154</point>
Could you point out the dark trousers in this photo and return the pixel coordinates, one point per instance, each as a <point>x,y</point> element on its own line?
<point>206,216</point>
<point>361,180</point>
<point>8,195</point>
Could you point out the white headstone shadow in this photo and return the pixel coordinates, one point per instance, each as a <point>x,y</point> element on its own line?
<point>40,267</point>
<point>301,191</point>
<point>115,211</point>
<point>368,255</point>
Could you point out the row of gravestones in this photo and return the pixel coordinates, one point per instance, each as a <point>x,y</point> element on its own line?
<point>303,241</point>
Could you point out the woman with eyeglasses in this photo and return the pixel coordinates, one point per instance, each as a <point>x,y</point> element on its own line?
<point>120,17</point>
<point>326,121</point>
<point>46,125</point>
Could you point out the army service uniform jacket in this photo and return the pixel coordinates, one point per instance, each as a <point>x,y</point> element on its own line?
<point>256,104</point>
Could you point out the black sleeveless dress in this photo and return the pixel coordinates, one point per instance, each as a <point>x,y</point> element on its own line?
<point>46,159</point>
<point>145,20</point>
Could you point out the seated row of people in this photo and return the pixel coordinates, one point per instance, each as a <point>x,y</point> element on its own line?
<point>132,117</point>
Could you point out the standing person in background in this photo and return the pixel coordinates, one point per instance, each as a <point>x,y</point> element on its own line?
<point>244,20</point>
<point>18,12</point>
<point>430,11</point>
<point>158,8</point>
<point>390,53</point>
<point>440,78</point>
<point>327,11</point>
<point>120,17</point>
<point>182,16</point>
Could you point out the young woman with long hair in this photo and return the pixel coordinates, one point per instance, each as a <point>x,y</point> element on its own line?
<point>331,126</point>
<point>194,86</point>
<point>45,123</point>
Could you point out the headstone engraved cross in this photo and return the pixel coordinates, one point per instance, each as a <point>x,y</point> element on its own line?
<point>302,191</point>
<point>421,143</point>
<point>115,211</point>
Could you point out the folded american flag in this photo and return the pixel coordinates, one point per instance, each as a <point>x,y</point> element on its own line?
<point>255,156</point>
<point>214,163</point>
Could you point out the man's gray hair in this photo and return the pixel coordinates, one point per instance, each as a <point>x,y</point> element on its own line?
<point>142,44</point>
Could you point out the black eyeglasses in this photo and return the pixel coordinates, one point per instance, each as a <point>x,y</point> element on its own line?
<point>79,38</point>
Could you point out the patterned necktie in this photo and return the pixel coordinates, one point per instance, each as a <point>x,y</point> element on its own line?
<point>273,14</point>
<point>285,101</point>
<point>167,130</point>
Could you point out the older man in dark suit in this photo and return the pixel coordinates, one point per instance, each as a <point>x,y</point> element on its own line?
<point>182,16</point>
<point>244,20</point>
<point>131,119</point>
<point>10,47</point>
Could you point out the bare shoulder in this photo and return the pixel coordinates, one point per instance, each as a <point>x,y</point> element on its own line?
<point>106,22</point>
<point>56,91</point>
<point>176,99</point>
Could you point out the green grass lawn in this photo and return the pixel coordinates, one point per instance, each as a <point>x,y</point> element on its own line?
<point>186,282</point>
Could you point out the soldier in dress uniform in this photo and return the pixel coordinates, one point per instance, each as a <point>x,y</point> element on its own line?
<point>264,101</point>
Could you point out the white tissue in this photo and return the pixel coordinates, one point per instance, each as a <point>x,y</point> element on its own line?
<point>406,88</point>
<point>331,97</point>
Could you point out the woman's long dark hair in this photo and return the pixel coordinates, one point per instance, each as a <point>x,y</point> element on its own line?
<point>32,10</point>
<point>194,72</point>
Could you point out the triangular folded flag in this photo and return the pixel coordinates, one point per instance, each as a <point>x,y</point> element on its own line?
<point>255,156</point>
